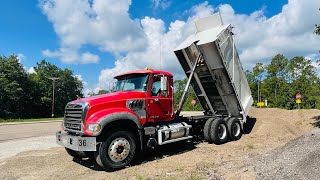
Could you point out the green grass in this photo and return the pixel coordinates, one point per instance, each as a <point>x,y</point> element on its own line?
<point>195,176</point>
<point>29,120</point>
<point>250,145</point>
<point>140,177</point>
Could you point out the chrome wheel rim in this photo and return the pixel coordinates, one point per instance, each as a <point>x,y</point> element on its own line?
<point>222,131</point>
<point>236,129</point>
<point>119,149</point>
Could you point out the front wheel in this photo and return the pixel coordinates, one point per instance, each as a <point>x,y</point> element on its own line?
<point>117,151</point>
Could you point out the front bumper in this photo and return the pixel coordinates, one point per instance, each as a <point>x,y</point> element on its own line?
<point>77,143</point>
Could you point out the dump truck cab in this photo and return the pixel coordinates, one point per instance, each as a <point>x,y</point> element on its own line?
<point>158,94</point>
<point>146,95</point>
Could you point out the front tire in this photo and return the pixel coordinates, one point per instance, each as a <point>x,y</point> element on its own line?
<point>117,151</point>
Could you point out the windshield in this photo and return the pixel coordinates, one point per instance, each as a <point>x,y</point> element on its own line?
<point>132,82</point>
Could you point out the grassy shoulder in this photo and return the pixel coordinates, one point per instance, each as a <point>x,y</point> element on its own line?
<point>29,120</point>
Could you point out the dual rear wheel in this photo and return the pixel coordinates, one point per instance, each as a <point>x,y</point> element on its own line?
<point>219,131</point>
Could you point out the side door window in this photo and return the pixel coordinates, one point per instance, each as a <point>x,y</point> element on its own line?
<point>156,85</point>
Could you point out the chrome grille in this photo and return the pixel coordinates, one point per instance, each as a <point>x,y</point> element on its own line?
<point>73,117</point>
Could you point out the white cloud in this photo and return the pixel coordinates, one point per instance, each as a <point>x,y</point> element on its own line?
<point>31,70</point>
<point>290,32</point>
<point>313,57</point>
<point>105,24</point>
<point>79,77</point>
<point>162,4</point>
<point>157,37</point>
<point>72,56</point>
<point>86,88</point>
<point>20,57</point>
<point>89,58</point>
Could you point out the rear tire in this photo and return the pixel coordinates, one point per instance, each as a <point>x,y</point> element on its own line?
<point>234,128</point>
<point>117,151</point>
<point>77,154</point>
<point>207,130</point>
<point>219,131</point>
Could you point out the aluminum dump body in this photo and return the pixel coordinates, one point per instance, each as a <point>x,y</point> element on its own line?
<point>219,81</point>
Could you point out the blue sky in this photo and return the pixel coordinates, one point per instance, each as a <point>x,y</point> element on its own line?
<point>44,29</point>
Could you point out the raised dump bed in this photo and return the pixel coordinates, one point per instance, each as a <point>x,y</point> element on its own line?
<point>219,80</point>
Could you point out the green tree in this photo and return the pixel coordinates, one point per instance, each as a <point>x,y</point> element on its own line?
<point>317,30</point>
<point>101,91</point>
<point>67,87</point>
<point>278,66</point>
<point>14,85</point>
<point>179,86</point>
<point>256,81</point>
<point>283,79</point>
<point>275,80</point>
<point>305,81</point>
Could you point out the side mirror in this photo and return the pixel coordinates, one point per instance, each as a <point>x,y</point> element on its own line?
<point>164,85</point>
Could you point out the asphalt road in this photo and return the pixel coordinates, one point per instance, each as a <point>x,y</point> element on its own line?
<point>27,130</point>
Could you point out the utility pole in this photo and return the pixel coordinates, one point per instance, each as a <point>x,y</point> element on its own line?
<point>258,91</point>
<point>53,85</point>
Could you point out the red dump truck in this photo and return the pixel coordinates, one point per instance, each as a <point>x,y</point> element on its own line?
<point>139,113</point>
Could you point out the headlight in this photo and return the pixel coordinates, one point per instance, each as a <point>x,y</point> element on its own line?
<point>95,128</point>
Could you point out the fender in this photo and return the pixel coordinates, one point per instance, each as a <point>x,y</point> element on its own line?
<point>107,116</point>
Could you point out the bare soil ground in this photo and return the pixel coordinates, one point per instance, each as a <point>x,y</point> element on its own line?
<point>272,129</point>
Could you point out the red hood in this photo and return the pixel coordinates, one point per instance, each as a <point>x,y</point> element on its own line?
<point>110,97</point>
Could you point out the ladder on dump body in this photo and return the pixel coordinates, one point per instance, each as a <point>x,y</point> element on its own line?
<point>202,82</point>
<point>210,90</point>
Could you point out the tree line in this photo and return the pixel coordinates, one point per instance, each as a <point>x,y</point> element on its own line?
<point>29,95</point>
<point>279,81</point>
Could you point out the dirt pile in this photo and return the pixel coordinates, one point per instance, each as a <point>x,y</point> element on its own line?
<point>298,159</point>
<point>272,128</point>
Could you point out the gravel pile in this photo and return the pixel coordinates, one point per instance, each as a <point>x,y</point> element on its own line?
<point>298,159</point>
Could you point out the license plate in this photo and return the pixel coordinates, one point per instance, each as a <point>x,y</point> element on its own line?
<point>76,143</point>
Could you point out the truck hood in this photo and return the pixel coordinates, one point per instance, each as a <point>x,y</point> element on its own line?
<point>110,97</point>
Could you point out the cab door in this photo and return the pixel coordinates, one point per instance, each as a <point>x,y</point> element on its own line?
<point>159,102</point>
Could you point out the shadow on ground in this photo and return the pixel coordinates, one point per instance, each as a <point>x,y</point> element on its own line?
<point>147,156</point>
<point>162,151</point>
<point>248,126</point>
<point>89,163</point>
<point>316,122</point>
